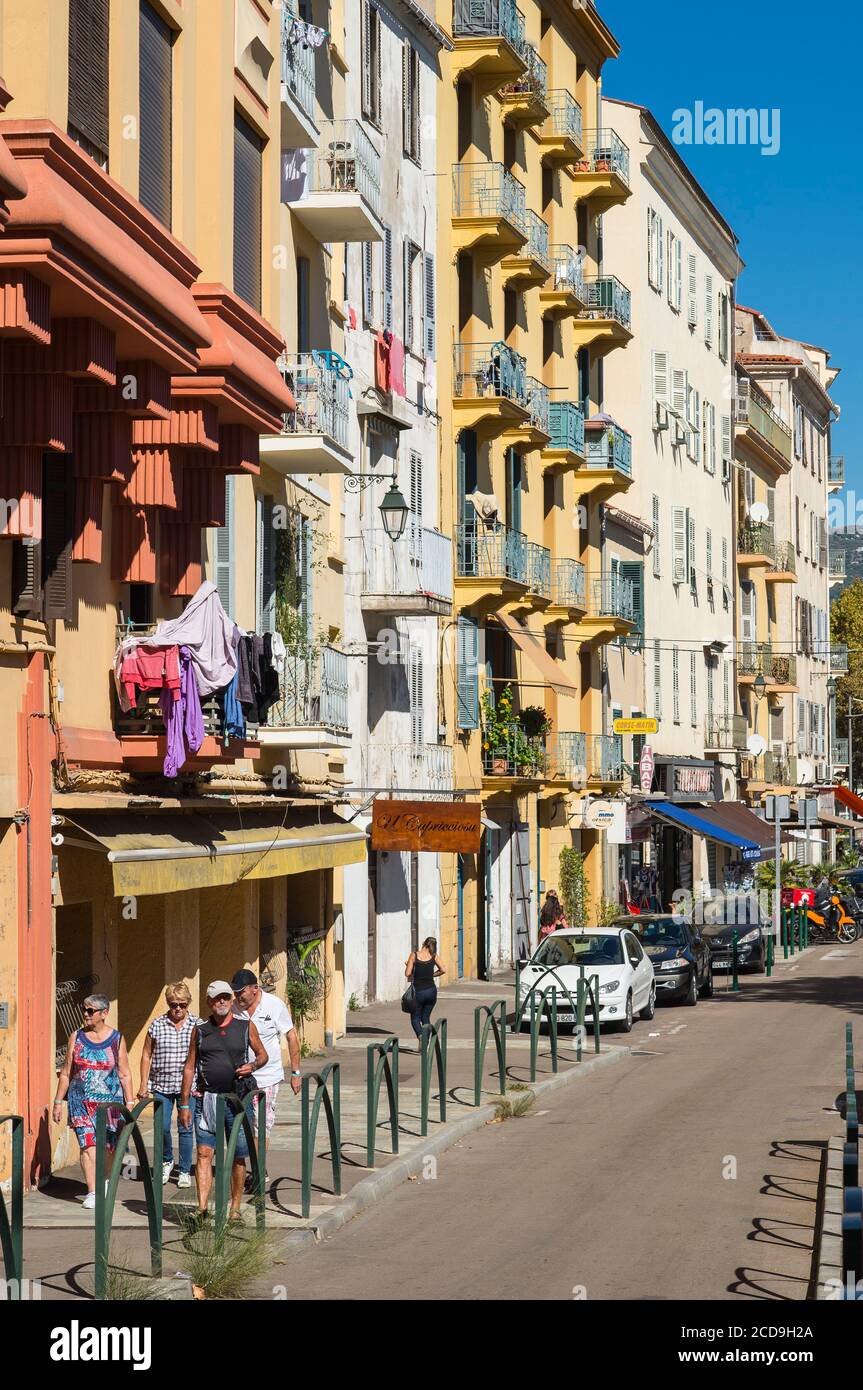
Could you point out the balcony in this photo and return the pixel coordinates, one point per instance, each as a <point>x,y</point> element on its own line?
<point>840,752</point>
<point>315,437</point>
<point>514,735</point>
<point>299,129</point>
<point>491,565</point>
<point>566,293</point>
<point>490,390</point>
<point>565,447</point>
<point>524,101</point>
<point>561,136</point>
<point>724,733</point>
<point>489,210</point>
<point>411,577</point>
<point>535,431</point>
<point>488,38</point>
<point>610,609</point>
<point>538,575</point>
<point>760,427</point>
<point>417,768</point>
<point>142,738</point>
<point>608,459</point>
<point>568,590</point>
<point>604,760</point>
<point>601,175</point>
<point>836,474</point>
<point>313,710</point>
<point>838,658</point>
<point>531,264</point>
<point>335,190</point>
<point>837,570</point>
<point>783,564</point>
<point>605,320</point>
<point>776,768</point>
<point>757,546</point>
<point>779,669</point>
<point>566,758</point>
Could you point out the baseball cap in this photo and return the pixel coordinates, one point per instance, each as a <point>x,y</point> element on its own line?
<point>243,978</point>
<point>218,987</point>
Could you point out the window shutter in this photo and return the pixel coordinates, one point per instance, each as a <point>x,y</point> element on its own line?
<point>408,297</point>
<point>679,392</point>
<point>266,566</point>
<point>467,652</point>
<point>247,213</point>
<point>416,506</point>
<point>679,533</point>
<point>675,682</point>
<point>367,58</point>
<point>388,277</point>
<point>225,551</point>
<point>708,310</point>
<point>416,695</point>
<point>406,98</point>
<point>712,467</point>
<point>725,559</point>
<point>27,579</point>
<point>88,73</point>
<point>154,122</point>
<point>657,679</point>
<point>368,286</point>
<point>709,554</point>
<point>691,552</point>
<point>429,305</point>
<point>656,557</point>
<point>669,269</point>
<point>747,611</point>
<point>692,299</point>
<point>633,570</point>
<point>678,274</point>
<point>693,691</point>
<point>660,255</point>
<point>651,246</point>
<point>58,529</point>
<point>726,438</point>
<point>661,367</point>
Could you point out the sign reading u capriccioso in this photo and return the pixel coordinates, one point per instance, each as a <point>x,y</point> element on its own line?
<point>433,826</point>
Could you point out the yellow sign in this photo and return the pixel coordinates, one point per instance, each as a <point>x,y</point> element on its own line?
<point>636,726</point>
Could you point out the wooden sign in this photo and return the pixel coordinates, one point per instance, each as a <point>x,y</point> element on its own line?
<point>452,826</point>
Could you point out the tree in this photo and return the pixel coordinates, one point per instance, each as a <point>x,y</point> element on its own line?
<point>846,625</point>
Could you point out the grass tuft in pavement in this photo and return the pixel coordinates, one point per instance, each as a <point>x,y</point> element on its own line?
<point>227,1265</point>
<point>514,1109</point>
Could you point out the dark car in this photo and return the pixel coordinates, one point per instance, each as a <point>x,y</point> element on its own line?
<point>678,953</point>
<point>752,930</point>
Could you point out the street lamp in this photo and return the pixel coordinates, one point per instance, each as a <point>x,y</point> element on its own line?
<point>393,509</point>
<point>759,685</point>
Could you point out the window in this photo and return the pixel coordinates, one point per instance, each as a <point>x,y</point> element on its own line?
<point>416,694</point>
<point>154,124</point>
<point>693,691</point>
<point>412,295</point>
<point>467,650</point>
<point>692,296</point>
<point>265,569</point>
<point>798,429</point>
<point>388,278</point>
<point>680,539</point>
<point>675,683</point>
<point>709,555</point>
<point>224,550</point>
<point>661,368</point>
<point>42,573</point>
<point>87,114</point>
<point>429,304</point>
<point>708,311</point>
<point>371,62</point>
<point>368,283</point>
<point>657,567</point>
<point>657,679</point>
<point>724,309</point>
<point>411,102</point>
<point>248,148</point>
<point>303,305</point>
<point>633,571</point>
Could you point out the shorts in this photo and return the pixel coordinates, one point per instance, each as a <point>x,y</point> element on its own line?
<point>206,1138</point>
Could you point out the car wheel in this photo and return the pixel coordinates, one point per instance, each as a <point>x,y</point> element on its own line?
<point>706,991</point>
<point>625,1024</point>
<point>692,997</point>
<point>650,1007</point>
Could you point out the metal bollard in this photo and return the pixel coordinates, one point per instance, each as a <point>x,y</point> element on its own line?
<point>735,983</point>
<point>770,951</point>
<point>852,1240</point>
<point>785,914</point>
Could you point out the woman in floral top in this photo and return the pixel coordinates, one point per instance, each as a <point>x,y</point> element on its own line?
<point>96,1070</point>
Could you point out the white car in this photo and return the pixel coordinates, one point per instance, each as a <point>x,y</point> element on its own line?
<point>626,983</point>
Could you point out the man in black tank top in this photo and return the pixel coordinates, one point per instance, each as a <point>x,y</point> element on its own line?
<point>218,1050</point>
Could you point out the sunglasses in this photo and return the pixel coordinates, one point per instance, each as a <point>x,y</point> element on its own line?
<point>218,998</point>
<point>93,1011</point>
<point>177,1004</point>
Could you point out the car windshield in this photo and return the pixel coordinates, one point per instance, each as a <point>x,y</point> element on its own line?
<point>579,950</point>
<point>663,931</point>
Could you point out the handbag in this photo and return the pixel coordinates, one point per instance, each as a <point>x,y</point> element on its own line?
<point>409,998</point>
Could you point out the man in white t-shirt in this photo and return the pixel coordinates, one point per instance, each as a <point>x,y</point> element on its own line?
<point>272,1018</point>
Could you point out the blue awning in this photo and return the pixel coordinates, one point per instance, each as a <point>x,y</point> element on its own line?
<point>683,818</point>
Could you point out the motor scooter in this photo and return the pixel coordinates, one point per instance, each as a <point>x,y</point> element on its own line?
<point>831,921</point>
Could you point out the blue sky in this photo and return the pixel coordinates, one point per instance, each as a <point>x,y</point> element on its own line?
<point>799,213</point>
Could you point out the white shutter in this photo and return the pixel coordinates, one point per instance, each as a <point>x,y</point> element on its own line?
<point>725,559</point>
<point>726,438</point>
<point>675,683</point>
<point>679,392</point>
<point>678,274</point>
<point>693,691</point>
<point>416,695</point>
<point>416,507</point>
<point>224,547</point>
<point>679,537</point>
<point>669,268</point>
<point>708,310</point>
<point>651,246</point>
<point>747,611</point>
<point>657,679</point>
<point>712,465</point>
<point>368,271</point>
<point>691,551</point>
<point>407,258</point>
<point>660,255</point>
<point>709,554</point>
<point>429,304</point>
<point>407,115</point>
<point>661,367</point>
<point>656,559</point>
<point>388,278</point>
<point>692,298</point>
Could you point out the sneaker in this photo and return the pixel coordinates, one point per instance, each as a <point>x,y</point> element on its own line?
<point>167,1169</point>
<point>184,1180</point>
<point>89,1201</point>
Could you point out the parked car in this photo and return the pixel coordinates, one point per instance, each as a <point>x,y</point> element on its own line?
<point>752,929</point>
<point>614,954</point>
<point>679,954</point>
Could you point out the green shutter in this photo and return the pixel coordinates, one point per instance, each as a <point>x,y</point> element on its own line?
<point>634,570</point>
<point>467,652</point>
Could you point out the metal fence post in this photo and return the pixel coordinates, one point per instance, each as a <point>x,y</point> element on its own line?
<point>770,951</point>
<point>333,1110</point>
<point>480,1039</point>
<point>106,1189</point>
<point>376,1071</point>
<point>735,983</point>
<point>12,1217</point>
<point>434,1033</point>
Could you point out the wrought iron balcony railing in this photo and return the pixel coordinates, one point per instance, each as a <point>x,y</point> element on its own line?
<point>537,241</point>
<point>611,597</point>
<point>836,470</point>
<point>607,446</point>
<point>566,267</point>
<point>426,767</point>
<point>482,370</point>
<point>837,564</point>
<point>492,19</point>
<point>725,732</point>
<point>605,757</point>
<point>418,564</point>
<point>534,81</point>
<point>564,116</point>
<point>605,152</point>
<point>347,162</point>
<point>320,383</point>
<point>752,408</point>
<point>489,190</point>
<point>569,584</point>
<point>838,658</point>
<point>298,62</point>
<point>538,404</point>
<point>777,767</point>
<point>760,659</point>
<point>567,757</point>
<point>566,426</point>
<point>755,538</point>
<point>314,691</point>
<point>606,298</point>
<point>840,752</point>
<point>539,569</point>
<point>495,552</point>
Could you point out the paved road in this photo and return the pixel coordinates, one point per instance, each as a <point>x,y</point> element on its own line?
<point>689,1172</point>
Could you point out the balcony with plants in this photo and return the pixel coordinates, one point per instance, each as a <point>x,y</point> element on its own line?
<point>565,447</point>
<point>514,737</point>
<point>316,437</point>
<point>298,59</point>
<point>757,546</point>
<point>531,263</point>
<point>489,210</point>
<point>601,175</point>
<point>561,135</point>
<point>335,190</point>
<point>564,293</point>
<point>605,320</point>
<point>490,389</point>
<point>524,101</point>
<point>761,427</point>
<point>488,42</point>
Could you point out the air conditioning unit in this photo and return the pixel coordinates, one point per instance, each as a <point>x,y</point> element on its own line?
<point>662,421</point>
<point>821,772</point>
<point>726,470</point>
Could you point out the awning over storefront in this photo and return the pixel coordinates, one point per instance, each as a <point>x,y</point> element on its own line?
<point>700,823</point>
<point>535,652</point>
<point>152,853</point>
<point>737,818</point>
<point>849,799</point>
<point>840,822</point>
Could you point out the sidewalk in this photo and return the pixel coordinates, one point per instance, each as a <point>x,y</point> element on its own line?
<point>58,1207</point>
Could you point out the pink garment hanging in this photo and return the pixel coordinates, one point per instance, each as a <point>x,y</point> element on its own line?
<point>397,366</point>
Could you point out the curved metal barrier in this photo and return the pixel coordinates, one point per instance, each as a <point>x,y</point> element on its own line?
<point>522,1006</point>
<point>12,1216</point>
<point>535,1021</point>
<point>587,990</point>
<point>333,1107</point>
<point>225,1152</point>
<point>495,1018</point>
<point>436,1033</point>
<point>106,1189</point>
<point>377,1071</point>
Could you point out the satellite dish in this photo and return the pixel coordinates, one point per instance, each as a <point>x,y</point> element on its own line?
<point>805,772</point>
<point>759,512</point>
<point>486,506</point>
<point>756,744</point>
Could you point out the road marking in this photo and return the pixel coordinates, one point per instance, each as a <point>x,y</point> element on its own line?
<point>671,1031</point>
<point>654,1035</point>
<point>835,955</point>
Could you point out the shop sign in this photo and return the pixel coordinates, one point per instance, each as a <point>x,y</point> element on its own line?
<point>646,768</point>
<point>636,726</point>
<point>599,815</point>
<point>430,826</point>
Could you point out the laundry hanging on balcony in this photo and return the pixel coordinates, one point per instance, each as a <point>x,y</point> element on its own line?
<point>205,628</point>
<point>300,32</point>
<point>183,716</point>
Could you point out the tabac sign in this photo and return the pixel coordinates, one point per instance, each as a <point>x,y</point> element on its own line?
<point>433,826</point>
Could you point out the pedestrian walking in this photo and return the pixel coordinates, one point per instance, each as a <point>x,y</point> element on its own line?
<point>96,1070</point>
<point>552,916</point>
<point>421,968</point>
<point>272,1018</point>
<point>219,1050</point>
<point>166,1048</point>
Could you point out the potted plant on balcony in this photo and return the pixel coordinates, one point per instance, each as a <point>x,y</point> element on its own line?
<point>498,727</point>
<point>534,721</point>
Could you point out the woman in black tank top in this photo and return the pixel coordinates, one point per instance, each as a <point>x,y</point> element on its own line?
<point>421,968</point>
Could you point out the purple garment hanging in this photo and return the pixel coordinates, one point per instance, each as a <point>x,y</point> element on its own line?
<point>184,718</point>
